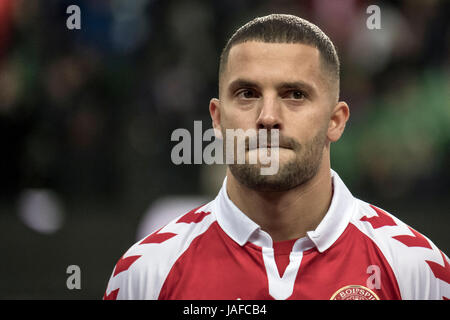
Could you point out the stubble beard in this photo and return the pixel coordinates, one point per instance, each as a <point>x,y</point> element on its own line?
<point>293,173</point>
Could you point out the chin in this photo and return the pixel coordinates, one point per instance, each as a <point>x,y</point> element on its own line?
<point>284,155</point>
<point>250,176</point>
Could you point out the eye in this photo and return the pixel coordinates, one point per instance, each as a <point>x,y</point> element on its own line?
<point>296,95</point>
<point>246,94</point>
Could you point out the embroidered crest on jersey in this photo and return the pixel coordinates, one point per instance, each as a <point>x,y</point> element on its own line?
<point>354,292</point>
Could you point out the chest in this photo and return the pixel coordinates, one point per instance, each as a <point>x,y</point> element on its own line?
<point>250,273</point>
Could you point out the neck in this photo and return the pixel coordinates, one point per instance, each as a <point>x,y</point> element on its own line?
<point>289,214</point>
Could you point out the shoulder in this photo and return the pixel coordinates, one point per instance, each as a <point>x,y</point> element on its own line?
<point>142,270</point>
<point>421,269</point>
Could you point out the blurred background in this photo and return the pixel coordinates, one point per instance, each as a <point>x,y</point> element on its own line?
<point>86,118</point>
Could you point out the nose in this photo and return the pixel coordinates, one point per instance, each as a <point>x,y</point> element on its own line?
<point>269,116</point>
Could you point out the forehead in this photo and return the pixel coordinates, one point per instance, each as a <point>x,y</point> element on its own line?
<point>273,62</point>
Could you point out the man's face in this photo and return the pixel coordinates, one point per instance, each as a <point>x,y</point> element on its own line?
<point>277,86</point>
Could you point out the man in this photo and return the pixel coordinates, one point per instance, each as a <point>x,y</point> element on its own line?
<point>296,234</point>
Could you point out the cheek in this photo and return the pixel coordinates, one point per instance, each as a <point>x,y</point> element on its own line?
<point>306,127</point>
<point>234,118</point>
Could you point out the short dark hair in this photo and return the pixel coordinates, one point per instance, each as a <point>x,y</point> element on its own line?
<point>284,28</point>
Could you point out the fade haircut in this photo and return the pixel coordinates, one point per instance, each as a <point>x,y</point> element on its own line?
<point>284,28</point>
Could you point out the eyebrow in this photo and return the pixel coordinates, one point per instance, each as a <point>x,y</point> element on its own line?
<point>244,83</point>
<point>310,88</point>
<point>241,83</point>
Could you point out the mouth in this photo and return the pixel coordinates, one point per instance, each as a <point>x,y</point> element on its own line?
<point>268,147</point>
<point>281,143</point>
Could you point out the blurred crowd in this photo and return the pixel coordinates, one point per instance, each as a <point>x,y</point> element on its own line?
<point>88,113</point>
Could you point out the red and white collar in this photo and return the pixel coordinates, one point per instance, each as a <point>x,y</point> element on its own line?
<point>242,229</point>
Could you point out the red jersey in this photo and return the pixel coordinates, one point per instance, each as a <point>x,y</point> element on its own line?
<point>358,251</point>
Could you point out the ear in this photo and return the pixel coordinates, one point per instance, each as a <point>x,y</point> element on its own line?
<point>214,111</point>
<point>338,120</point>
